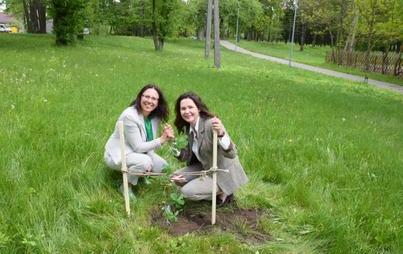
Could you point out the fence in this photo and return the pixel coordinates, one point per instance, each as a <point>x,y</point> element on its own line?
<point>383,62</point>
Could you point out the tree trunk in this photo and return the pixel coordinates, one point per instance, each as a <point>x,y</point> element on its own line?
<point>142,15</point>
<point>208,29</point>
<point>156,37</point>
<point>385,62</point>
<point>314,40</point>
<point>340,29</point>
<point>35,16</point>
<point>369,48</point>
<point>269,33</point>
<point>303,30</point>
<point>397,68</point>
<point>217,51</point>
<point>42,18</point>
<point>26,16</point>
<point>332,46</point>
<point>351,37</point>
<point>369,37</point>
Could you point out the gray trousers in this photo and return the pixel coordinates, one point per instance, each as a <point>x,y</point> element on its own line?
<point>139,162</point>
<point>197,187</point>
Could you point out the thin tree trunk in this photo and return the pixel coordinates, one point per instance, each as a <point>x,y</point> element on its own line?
<point>217,51</point>
<point>332,45</point>
<point>314,40</point>
<point>303,30</point>
<point>397,68</point>
<point>369,38</point>
<point>42,17</point>
<point>26,16</point>
<point>142,13</point>
<point>156,38</point>
<point>340,28</point>
<point>351,38</point>
<point>269,33</point>
<point>208,29</point>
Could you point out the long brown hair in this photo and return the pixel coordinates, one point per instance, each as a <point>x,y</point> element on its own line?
<point>180,124</point>
<point>161,110</point>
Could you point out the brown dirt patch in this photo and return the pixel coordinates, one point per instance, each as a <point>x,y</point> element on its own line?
<point>196,218</point>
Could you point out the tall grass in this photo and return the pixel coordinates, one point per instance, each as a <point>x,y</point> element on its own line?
<point>324,155</point>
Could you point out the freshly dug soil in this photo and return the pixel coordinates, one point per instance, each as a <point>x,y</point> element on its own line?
<point>196,218</point>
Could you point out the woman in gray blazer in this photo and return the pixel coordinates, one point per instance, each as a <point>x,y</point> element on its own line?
<point>193,117</point>
<point>141,121</point>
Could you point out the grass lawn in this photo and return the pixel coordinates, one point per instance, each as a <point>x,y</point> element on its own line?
<point>324,155</point>
<point>313,56</point>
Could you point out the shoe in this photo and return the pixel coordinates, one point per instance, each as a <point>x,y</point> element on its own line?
<point>132,197</point>
<point>227,200</point>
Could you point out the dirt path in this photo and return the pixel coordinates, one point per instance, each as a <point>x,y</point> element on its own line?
<point>376,83</point>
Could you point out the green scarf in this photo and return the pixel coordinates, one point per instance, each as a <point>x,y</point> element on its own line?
<point>149,128</point>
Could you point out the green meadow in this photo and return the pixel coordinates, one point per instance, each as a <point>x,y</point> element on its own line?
<point>315,56</point>
<point>324,155</point>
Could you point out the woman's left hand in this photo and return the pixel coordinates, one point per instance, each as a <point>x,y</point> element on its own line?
<point>217,126</point>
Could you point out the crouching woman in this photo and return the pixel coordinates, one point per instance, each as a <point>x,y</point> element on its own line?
<point>193,118</point>
<point>141,121</point>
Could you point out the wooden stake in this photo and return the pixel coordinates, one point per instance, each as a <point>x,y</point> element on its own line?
<point>124,167</point>
<point>214,194</point>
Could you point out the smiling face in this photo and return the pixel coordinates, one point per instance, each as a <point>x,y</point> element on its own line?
<point>149,101</point>
<point>189,111</point>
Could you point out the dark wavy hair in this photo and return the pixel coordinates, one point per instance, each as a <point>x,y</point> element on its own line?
<point>180,124</point>
<point>161,110</point>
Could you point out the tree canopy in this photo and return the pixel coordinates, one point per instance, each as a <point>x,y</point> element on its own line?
<point>360,24</point>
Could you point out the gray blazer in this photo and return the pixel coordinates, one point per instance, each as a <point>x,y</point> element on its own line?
<point>226,159</point>
<point>135,136</point>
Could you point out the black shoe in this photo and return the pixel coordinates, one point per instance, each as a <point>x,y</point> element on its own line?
<point>228,200</point>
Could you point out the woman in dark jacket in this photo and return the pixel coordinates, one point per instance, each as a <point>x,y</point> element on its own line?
<point>193,117</point>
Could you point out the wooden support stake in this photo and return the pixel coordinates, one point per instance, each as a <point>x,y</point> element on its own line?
<point>214,194</point>
<point>124,167</point>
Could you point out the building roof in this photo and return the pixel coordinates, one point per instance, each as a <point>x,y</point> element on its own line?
<point>4,18</point>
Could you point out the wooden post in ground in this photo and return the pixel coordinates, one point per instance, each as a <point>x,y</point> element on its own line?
<point>214,192</point>
<point>124,167</point>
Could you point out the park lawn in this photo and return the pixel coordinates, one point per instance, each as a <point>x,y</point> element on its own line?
<point>313,56</point>
<point>324,155</point>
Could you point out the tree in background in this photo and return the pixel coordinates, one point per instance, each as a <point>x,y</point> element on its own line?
<point>68,19</point>
<point>271,18</point>
<point>373,13</point>
<point>164,20</point>
<point>35,15</point>
<point>351,38</point>
<point>32,12</point>
<point>349,24</point>
<point>123,16</point>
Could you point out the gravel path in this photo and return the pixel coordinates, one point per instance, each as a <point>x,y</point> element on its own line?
<point>376,83</point>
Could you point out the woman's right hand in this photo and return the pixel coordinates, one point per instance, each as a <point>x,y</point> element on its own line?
<point>167,134</point>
